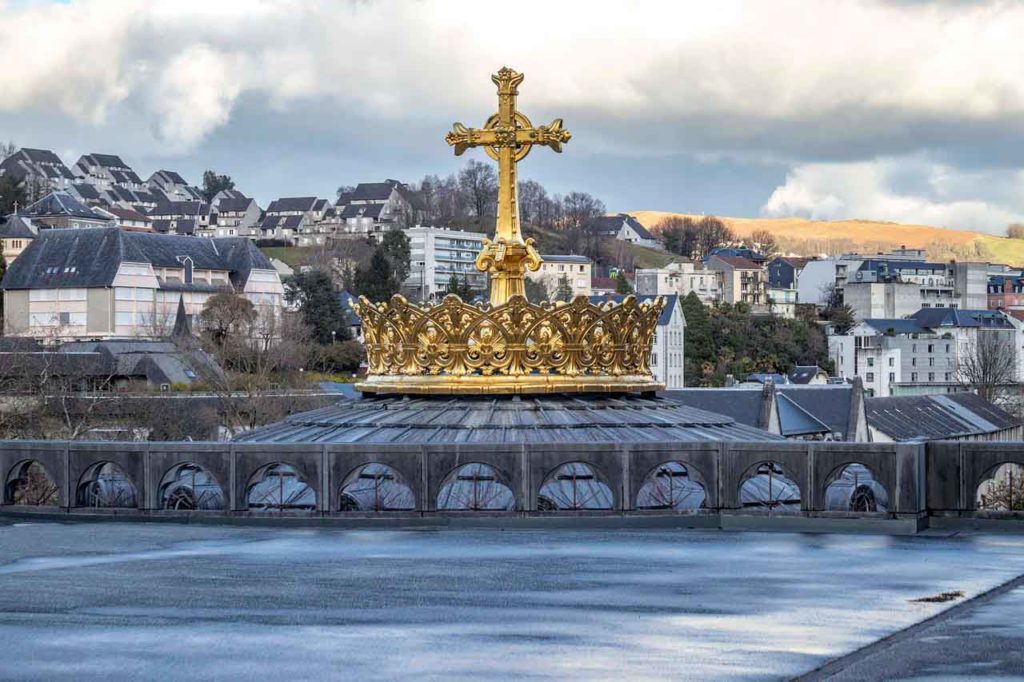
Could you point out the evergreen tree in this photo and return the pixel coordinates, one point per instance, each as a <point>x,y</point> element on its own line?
<point>622,285</point>
<point>536,291</point>
<point>376,281</point>
<point>459,287</point>
<point>12,193</point>
<point>396,247</point>
<point>697,349</point>
<point>319,305</point>
<point>214,183</point>
<point>564,290</point>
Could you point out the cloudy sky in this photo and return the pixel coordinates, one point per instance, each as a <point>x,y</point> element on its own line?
<point>901,110</point>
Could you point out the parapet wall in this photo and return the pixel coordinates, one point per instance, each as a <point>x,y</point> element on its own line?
<point>790,479</point>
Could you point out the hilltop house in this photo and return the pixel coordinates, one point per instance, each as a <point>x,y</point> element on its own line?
<point>61,210</point>
<point>169,186</point>
<point>106,171</point>
<point>236,217</point>
<point>623,227</point>
<point>577,271</point>
<point>374,207</point>
<point>300,220</point>
<point>181,217</point>
<point>41,170</point>
<point>109,283</point>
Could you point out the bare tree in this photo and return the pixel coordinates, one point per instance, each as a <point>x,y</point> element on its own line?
<point>988,364</point>
<point>479,183</point>
<point>711,234</point>
<point>7,148</point>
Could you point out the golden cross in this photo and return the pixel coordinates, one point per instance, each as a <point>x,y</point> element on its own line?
<point>507,137</point>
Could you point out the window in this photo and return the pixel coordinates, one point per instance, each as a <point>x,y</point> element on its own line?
<point>892,362</point>
<point>931,348</point>
<point>42,295</point>
<point>913,348</point>
<point>913,376</point>
<point>949,376</point>
<point>947,347</point>
<point>913,362</point>
<point>931,376</point>
<point>892,377</point>
<point>931,362</point>
<point>870,376</point>
<point>654,358</point>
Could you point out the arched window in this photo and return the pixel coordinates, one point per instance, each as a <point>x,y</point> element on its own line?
<point>574,486</point>
<point>29,484</point>
<point>768,488</point>
<point>279,487</point>
<point>1002,489</point>
<point>854,488</point>
<point>669,486</point>
<point>189,486</point>
<point>377,488</point>
<point>105,484</point>
<point>475,487</point>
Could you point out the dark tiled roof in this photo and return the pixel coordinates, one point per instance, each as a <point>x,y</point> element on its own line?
<point>362,210</point>
<point>934,417</point>
<point>737,262</point>
<point>106,160</point>
<point>87,191</point>
<point>609,225</point>
<point>830,404</point>
<point>956,317</point>
<point>61,204</point>
<point>372,191</point>
<point>14,227</point>
<point>547,419</point>
<point>91,258</point>
<point>291,204</point>
<point>171,177</point>
<point>803,374</point>
<point>901,326</point>
<point>181,208</point>
<point>745,405</point>
<point>127,214</point>
<point>42,156</point>
<point>233,205</point>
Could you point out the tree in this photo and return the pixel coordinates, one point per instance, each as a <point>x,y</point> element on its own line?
<point>622,285</point>
<point>536,290</point>
<point>1015,231</point>
<point>12,194</point>
<point>224,313</point>
<point>988,364</point>
<point>578,208</point>
<point>214,183</point>
<point>459,287</point>
<point>563,292</point>
<point>376,281</point>
<point>319,305</point>
<point>712,233</point>
<point>764,242</point>
<point>679,235</point>
<point>479,182</point>
<point>6,149</point>
<point>395,246</point>
<point>841,317</point>
<point>343,190</point>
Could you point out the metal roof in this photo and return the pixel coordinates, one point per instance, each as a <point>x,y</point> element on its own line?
<point>934,417</point>
<point>506,419</point>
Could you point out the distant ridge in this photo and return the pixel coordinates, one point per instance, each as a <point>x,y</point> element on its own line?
<point>816,237</point>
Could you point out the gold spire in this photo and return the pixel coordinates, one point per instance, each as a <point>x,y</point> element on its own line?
<point>507,137</point>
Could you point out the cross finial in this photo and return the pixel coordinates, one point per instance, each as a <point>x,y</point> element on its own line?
<point>507,137</point>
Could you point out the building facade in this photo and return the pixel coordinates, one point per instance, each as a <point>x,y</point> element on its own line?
<point>437,253</point>
<point>576,271</point>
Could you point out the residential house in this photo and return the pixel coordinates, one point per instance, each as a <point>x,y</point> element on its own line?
<point>576,270</point>
<point>667,351</point>
<point>375,207</point>
<point>40,170</point>
<point>922,354</point>
<point>1006,293</point>
<point>106,171</point>
<point>437,253</point>
<point>128,219</point>
<point>623,227</point>
<point>170,186</point>
<point>743,281</point>
<point>808,375</point>
<point>738,252</point>
<point>603,286</point>
<point>784,284</point>
<point>182,218</point>
<point>922,418</point>
<point>16,233</point>
<point>110,283</point>
<point>681,278</point>
<point>295,219</point>
<point>59,210</point>
<point>236,217</point>
<point>832,412</point>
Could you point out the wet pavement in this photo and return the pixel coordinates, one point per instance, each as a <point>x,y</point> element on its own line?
<point>145,601</point>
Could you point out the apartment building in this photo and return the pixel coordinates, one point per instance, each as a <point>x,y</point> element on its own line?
<point>437,253</point>
<point>576,270</point>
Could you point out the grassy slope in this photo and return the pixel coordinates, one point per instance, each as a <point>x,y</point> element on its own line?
<point>815,237</point>
<point>291,255</point>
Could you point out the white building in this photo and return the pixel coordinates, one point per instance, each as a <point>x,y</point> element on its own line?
<point>623,227</point>
<point>577,271</point>
<point>922,354</point>
<point>681,279</point>
<point>437,253</point>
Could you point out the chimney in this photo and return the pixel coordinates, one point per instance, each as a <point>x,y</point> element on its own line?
<point>730,381</point>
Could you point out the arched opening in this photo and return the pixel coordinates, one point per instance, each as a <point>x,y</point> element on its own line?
<point>574,486</point>
<point>190,487</point>
<point>29,484</point>
<point>670,486</point>
<point>375,487</point>
<point>853,488</point>
<point>475,487</point>
<point>105,484</point>
<point>1001,489</point>
<point>767,488</point>
<point>279,487</point>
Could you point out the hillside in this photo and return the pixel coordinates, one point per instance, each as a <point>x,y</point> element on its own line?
<point>817,237</point>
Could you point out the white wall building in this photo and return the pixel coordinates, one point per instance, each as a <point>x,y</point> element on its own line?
<point>680,279</point>
<point>577,271</point>
<point>437,253</point>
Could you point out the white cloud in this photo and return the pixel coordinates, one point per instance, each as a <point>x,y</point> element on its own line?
<point>938,194</point>
<point>648,76</point>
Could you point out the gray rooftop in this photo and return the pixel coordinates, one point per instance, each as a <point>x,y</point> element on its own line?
<point>506,419</point>
<point>934,417</point>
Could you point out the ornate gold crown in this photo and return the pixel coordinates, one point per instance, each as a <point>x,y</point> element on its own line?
<point>511,345</point>
<point>516,347</point>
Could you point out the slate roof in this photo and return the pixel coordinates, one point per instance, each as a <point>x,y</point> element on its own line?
<point>43,161</point>
<point>291,204</point>
<point>737,252</point>
<point>14,227</point>
<point>362,210</point>
<point>737,262</point>
<point>175,225</point>
<point>610,225</point>
<point>745,405</point>
<point>91,258</point>
<point>957,317</point>
<point>803,374</point>
<point>181,208</point>
<point>671,301</point>
<point>372,191</point>
<point>86,191</point>
<point>283,222</point>
<point>563,258</point>
<point>171,177</point>
<point>903,326</point>
<point>127,214</point>
<point>106,160</point>
<point>830,404</point>
<point>41,155</point>
<point>233,205</point>
<point>935,417</point>
<point>60,204</point>
<point>506,419</point>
